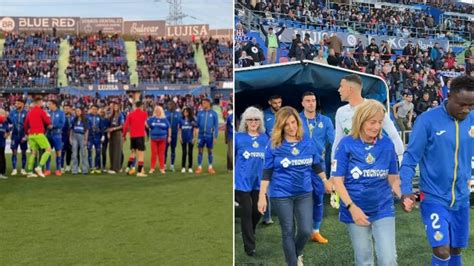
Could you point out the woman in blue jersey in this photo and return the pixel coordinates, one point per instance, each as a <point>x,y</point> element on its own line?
<point>365,175</point>
<point>290,160</point>
<point>250,144</point>
<point>78,137</point>
<point>160,134</point>
<point>186,137</point>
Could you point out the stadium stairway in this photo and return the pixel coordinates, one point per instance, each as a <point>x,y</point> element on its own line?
<point>63,62</point>
<point>201,64</point>
<point>218,110</point>
<point>131,49</point>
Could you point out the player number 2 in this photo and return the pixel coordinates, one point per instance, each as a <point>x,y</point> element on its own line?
<point>435,218</point>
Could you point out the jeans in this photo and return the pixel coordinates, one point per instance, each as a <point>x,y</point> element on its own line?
<point>79,143</point>
<point>382,232</point>
<point>267,216</point>
<point>297,209</point>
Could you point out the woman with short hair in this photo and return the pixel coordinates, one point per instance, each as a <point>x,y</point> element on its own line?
<point>365,173</point>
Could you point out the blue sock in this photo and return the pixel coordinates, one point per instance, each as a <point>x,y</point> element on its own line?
<point>435,261</point>
<point>58,163</point>
<point>456,260</point>
<point>316,225</point>
<point>200,159</point>
<point>210,158</point>
<point>14,161</point>
<point>23,160</point>
<point>48,163</point>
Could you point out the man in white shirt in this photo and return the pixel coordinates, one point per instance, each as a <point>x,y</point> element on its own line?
<point>350,90</point>
<point>403,112</point>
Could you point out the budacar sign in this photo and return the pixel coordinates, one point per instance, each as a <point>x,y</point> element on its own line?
<point>145,28</point>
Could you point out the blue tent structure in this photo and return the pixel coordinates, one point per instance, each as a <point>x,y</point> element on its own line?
<point>254,85</point>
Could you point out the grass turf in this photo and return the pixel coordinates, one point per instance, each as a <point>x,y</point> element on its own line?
<point>171,219</point>
<point>412,246</point>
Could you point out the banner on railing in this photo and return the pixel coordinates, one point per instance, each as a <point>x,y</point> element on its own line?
<point>398,43</point>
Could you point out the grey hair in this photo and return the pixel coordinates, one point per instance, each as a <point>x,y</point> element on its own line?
<point>251,112</point>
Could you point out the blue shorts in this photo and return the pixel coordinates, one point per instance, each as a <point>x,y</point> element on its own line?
<point>207,141</point>
<point>16,141</point>
<point>56,142</point>
<point>445,227</point>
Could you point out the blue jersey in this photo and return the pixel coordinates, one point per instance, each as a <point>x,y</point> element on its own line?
<point>104,124</point>
<point>158,127</point>
<point>95,125</point>
<point>58,119</point>
<point>443,147</point>
<point>230,126</point>
<point>292,167</point>
<point>269,120</point>
<point>118,120</point>
<point>79,127</point>
<point>187,129</point>
<point>4,129</point>
<point>67,125</point>
<point>249,159</point>
<point>16,120</point>
<point>173,118</point>
<point>319,129</point>
<point>365,169</point>
<point>208,123</point>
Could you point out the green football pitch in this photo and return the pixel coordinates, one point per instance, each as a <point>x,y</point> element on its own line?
<point>170,219</point>
<point>412,246</point>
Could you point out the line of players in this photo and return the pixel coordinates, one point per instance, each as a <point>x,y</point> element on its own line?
<point>97,128</point>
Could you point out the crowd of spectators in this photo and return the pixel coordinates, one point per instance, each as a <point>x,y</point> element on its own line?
<point>445,5</point>
<point>161,60</point>
<point>29,60</point>
<point>218,56</point>
<point>364,18</point>
<point>97,59</point>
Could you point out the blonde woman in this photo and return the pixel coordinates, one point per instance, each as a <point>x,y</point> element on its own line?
<point>365,175</point>
<point>160,135</point>
<point>290,160</point>
<point>250,144</point>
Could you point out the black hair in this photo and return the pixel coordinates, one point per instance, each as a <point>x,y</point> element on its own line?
<point>462,83</point>
<point>307,93</point>
<point>138,104</point>
<point>274,97</point>
<point>353,78</point>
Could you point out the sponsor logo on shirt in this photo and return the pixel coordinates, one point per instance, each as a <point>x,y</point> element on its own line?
<point>296,162</point>
<point>471,132</point>
<point>247,155</point>
<point>357,173</point>
<point>370,158</point>
<point>320,125</point>
<point>441,132</point>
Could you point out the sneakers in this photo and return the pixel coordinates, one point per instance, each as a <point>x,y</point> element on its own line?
<point>132,171</point>
<point>251,253</point>
<point>14,172</point>
<point>172,168</point>
<point>23,172</point>
<point>68,168</point>
<point>210,170</point>
<point>190,170</point>
<point>317,237</point>
<point>58,173</point>
<point>300,260</point>
<point>112,172</point>
<point>39,172</point>
<point>268,222</point>
<point>47,173</point>
<point>162,171</point>
<point>183,170</point>
<point>30,175</point>
<point>151,171</point>
<point>3,177</point>
<point>199,170</point>
<point>141,174</point>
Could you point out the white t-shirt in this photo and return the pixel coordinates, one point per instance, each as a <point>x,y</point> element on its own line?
<point>344,125</point>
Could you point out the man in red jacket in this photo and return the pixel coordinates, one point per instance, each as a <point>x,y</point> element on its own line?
<point>35,122</point>
<point>136,123</point>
